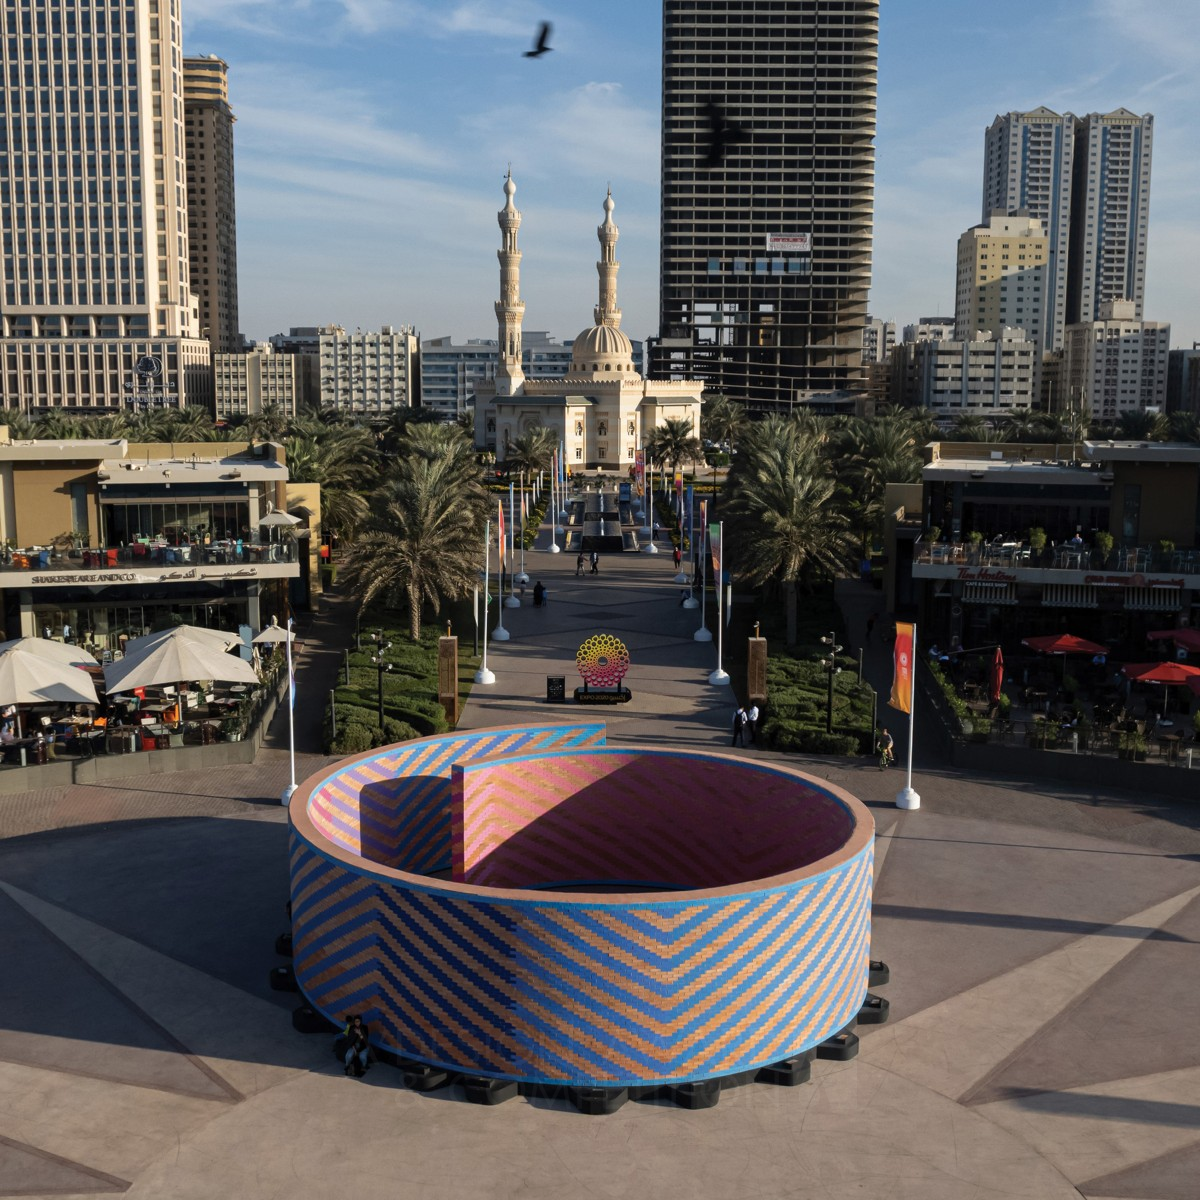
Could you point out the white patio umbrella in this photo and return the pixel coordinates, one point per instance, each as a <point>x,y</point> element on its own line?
<point>27,678</point>
<point>274,633</point>
<point>279,518</point>
<point>220,639</point>
<point>175,660</point>
<point>53,651</point>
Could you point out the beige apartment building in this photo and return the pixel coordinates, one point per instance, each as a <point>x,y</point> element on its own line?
<point>368,374</point>
<point>1002,280</point>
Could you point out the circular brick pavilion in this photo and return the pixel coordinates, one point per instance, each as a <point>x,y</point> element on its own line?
<point>530,904</point>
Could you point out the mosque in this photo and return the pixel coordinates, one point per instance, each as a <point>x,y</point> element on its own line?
<point>602,411</point>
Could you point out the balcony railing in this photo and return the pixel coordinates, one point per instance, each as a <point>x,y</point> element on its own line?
<point>142,554</point>
<point>1064,557</point>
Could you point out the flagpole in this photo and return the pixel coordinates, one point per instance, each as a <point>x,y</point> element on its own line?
<point>703,634</point>
<point>907,797</point>
<point>483,675</point>
<point>290,790</point>
<point>720,676</point>
<point>691,601</point>
<point>500,634</point>
<point>522,578</point>
<point>553,548</point>
<point>651,548</point>
<point>512,601</point>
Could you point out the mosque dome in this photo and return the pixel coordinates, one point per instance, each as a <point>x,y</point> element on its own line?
<point>601,349</point>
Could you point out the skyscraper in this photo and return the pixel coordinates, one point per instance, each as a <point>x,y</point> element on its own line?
<point>212,222</point>
<point>1088,181</point>
<point>768,170</point>
<point>94,264</point>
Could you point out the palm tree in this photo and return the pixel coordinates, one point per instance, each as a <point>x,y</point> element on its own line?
<point>673,443</point>
<point>1184,427</point>
<point>1140,425</point>
<point>870,454</point>
<point>344,462</point>
<point>783,527</point>
<point>270,424</point>
<point>422,540</point>
<point>532,451</point>
<point>722,419</point>
<point>21,426</point>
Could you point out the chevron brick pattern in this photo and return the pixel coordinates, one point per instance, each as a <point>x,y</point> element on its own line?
<point>647,817</point>
<point>393,806</point>
<point>614,990</point>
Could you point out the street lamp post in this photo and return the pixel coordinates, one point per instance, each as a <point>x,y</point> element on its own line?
<point>382,666</point>
<point>831,669</point>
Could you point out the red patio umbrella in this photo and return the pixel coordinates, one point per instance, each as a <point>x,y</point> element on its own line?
<point>1189,639</point>
<point>997,676</point>
<point>1063,643</point>
<point>1168,674</point>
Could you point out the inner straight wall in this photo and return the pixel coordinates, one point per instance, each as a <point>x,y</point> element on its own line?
<point>765,320</point>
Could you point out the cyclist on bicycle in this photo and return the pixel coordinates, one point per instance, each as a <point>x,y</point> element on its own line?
<point>887,754</point>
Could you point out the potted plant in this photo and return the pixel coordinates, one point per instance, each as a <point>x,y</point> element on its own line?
<point>1104,545</point>
<point>1070,684</point>
<point>981,729</point>
<point>1037,541</point>
<point>1166,548</point>
<point>1132,745</point>
<point>935,533</point>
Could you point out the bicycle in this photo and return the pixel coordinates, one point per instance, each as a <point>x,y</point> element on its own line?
<point>887,757</point>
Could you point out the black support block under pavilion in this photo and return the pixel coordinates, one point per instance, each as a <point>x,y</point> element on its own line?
<point>482,1089</point>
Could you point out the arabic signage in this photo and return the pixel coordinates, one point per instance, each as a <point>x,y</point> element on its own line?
<point>1133,581</point>
<point>103,578</point>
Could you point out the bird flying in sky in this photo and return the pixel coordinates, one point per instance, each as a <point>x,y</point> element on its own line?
<point>540,46</point>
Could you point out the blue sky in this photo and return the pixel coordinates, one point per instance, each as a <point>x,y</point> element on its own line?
<point>373,137</point>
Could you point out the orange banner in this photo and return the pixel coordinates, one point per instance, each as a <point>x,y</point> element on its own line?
<point>902,680</point>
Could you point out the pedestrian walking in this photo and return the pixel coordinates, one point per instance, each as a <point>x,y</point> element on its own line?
<point>678,557</point>
<point>739,726</point>
<point>752,722</point>
<point>595,563</point>
<point>579,564</point>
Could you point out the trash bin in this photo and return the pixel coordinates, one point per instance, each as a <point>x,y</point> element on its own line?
<point>556,689</point>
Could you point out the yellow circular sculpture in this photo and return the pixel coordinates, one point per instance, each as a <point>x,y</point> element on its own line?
<point>602,660</point>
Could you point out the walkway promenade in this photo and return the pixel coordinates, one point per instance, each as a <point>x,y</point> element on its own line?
<point>1043,950</point>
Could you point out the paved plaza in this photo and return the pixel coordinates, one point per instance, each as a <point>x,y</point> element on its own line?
<point>1042,944</point>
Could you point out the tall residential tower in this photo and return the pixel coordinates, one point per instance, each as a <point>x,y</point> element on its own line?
<point>768,173</point>
<point>1087,180</point>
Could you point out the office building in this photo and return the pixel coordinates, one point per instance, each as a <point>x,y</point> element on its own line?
<point>212,222</point>
<point>1183,380</point>
<point>987,375</point>
<point>1116,364</point>
<point>367,375</point>
<point>930,329</point>
<point>245,384</point>
<point>94,275</point>
<point>879,340</point>
<point>1087,180</point>
<point>768,170</point>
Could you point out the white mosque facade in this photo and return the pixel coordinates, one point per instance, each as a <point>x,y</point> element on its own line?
<point>602,410</point>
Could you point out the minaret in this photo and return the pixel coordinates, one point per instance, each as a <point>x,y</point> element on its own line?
<point>510,309</point>
<point>607,312</point>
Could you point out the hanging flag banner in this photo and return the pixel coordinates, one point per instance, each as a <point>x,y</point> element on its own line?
<point>639,467</point>
<point>902,679</point>
<point>715,548</point>
<point>500,528</point>
<point>678,482</point>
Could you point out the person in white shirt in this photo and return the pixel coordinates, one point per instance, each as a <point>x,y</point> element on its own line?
<point>752,722</point>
